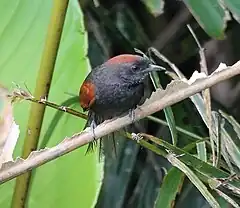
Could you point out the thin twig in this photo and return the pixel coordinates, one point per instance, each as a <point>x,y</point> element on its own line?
<point>59,107</point>
<point>166,60</point>
<point>21,94</point>
<point>182,130</point>
<point>206,93</point>
<point>151,106</point>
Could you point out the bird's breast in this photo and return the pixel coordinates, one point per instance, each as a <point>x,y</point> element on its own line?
<point>116,98</point>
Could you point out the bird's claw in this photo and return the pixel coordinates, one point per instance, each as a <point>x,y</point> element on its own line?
<point>93,125</point>
<point>137,137</point>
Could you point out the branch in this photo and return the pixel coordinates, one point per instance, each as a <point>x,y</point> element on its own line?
<point>176,91</point>
<point>21,94</point>
<point>206,95</point>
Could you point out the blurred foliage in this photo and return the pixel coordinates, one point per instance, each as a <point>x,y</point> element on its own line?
<point>137,177</point>
<point>137,182</point>
<point>154,6</point>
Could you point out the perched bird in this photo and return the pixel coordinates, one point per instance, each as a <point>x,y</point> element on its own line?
<point>114,88</point>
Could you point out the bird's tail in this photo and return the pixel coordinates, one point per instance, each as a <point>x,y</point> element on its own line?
<point>106,144</point>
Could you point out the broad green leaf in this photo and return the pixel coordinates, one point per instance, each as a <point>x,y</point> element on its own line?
<point>211,16</point>
<point>171,186</point>
<point>74,179</point>
<point>54,123</point>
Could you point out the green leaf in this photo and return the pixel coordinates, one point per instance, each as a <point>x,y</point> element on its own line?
<point>167,111</point>
<point>171,186</point>
<point>231,141</point>
<point>210,15</point>
<point>171,123</point>
<point>205,169</point>
<point>228,199</point>
<point>202,152</point>
<point>194,179</point>
<point>55,120</point>
<point>23,29</point>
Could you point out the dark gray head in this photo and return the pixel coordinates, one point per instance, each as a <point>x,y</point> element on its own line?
<point>132,68</point>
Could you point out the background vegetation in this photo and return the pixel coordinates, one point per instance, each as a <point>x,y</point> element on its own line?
<point>93,32</point>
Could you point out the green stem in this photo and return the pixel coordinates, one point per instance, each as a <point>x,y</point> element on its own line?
<point>147,145</point>
<point>157,120</point>
<point>58,107</point>
<point>42,89</point>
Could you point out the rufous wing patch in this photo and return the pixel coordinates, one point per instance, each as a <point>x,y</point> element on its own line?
<point>87,95</point>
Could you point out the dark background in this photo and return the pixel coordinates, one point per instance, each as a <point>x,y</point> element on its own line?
<point>115,27</point>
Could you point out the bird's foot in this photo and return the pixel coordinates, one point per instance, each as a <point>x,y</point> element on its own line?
<point>137,137</point>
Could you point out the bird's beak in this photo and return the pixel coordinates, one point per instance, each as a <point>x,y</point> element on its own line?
<point>153,67</point>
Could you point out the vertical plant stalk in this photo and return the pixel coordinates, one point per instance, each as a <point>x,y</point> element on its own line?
<point>206,99</point>
<point>43,83</point>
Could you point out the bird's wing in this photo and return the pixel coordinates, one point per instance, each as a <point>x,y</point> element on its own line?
<point>87,95</point>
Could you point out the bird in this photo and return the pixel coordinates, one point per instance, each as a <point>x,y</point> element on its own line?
<point>114,88</point>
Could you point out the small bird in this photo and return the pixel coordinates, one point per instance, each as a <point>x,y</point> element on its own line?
<point>114,88</point>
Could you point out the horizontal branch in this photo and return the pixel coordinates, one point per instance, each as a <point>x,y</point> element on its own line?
<point>175,92</point>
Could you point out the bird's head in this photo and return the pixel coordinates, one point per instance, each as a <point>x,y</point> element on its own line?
<point>132,68</point>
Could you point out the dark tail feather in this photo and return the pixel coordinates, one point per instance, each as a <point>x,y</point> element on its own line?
<point>109,145</point>
<point>91,147</point>
<point>92,118</point>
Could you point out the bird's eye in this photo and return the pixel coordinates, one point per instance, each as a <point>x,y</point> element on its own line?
<point>134,68</point>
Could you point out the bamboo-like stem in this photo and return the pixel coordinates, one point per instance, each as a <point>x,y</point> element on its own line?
<point>82,138</point>
<point>42,89</point>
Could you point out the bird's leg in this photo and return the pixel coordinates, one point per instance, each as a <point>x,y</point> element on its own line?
<point>93,125</point>
<point>132,115</point>
<point>92,122</point>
